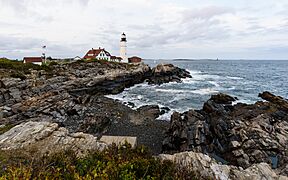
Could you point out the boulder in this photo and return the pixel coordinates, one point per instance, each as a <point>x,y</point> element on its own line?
<point>223,98</point>
<point>150,111</point>
<point>165,73</point>
<point>207,168</point>
<point>277,100</point>
<point>240,134</point>
<point>46,138</point>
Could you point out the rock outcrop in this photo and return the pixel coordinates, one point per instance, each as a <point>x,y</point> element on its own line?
<point>46,138</point>
<point>164,73</point>
<point>208,168</point>
<point>241,135</point>
<point>72,95</point>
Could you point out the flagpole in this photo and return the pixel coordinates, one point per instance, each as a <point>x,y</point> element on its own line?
<point>43,53</point>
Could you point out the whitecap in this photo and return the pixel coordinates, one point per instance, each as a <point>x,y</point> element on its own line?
<point>139,97</point>
<point>166,116</point>
<point>205,91</point>
<point>202,77</point>
<point>214,83</point>
<point>172,91</point>
<point>231,88</point>
<point>245,101</point>
<point>234,77</point>
<point>188,81</point>
<point>194,72</point>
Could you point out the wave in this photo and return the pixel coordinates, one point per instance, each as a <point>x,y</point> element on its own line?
<point>214,83</point>
<point>234,77</point>
<point>202,77</point>
<point>245,101</point>
<point>205,91</point>
<point>145,84</point>
<point>172,90</point>
<point>166,116</point>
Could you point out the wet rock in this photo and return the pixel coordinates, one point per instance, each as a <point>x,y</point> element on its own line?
<point>152,111</point>
<point>223,98</point>
<point>276,100</point>
<point>165,73</point>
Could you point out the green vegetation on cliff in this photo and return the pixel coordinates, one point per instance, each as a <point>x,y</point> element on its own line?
<point>19,65</point>
<point>113,163</point>
<point>5,128</point>
<point>17,69</point>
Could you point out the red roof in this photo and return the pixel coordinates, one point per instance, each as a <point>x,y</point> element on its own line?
<point>32,59</point>
<point>93,53</point>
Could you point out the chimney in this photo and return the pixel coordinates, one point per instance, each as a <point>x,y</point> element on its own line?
<point>99,47</point>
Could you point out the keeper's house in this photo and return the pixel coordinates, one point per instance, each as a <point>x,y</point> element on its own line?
<point>99,54</point>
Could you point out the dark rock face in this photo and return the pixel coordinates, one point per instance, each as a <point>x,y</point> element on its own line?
<point>72,96</point>
<point>164,73</point>
<point>239,135</point>
<point>152,111</point>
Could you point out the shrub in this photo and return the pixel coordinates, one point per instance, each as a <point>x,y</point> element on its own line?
<point>113,163</point>
<point>53,63</point>
<point>18,69</point>
<point>20,66</point>
<point>5,128</point>
<point>18,75</point>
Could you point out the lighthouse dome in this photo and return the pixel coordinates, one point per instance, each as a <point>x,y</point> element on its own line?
<point>123,37</point>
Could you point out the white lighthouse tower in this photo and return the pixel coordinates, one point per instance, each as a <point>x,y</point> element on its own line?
<point>123,48</point>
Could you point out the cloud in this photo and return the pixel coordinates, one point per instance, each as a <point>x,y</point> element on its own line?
<point>205,13</point>
<point>192,26</point>
<point>18,43</point>
<point>70,27</point>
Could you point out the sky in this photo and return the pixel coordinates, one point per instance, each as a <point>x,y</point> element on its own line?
<point>155,29</point>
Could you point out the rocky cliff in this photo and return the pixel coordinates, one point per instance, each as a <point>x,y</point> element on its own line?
<point>71,95</point>
<point>240,134</point>
<point>208,168</point>
<point>50,108</point>
<point>47,138</point>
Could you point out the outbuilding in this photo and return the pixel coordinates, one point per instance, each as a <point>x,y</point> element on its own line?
<point>135,59</point>
<point>34,60</point>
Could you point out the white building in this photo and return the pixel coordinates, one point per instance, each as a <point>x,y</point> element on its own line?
<point>123,48</point>
<point>99,54</point>
<point>34,60</point>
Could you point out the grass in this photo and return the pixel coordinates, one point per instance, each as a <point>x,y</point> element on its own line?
<point>20,66</point>
<point>5,128</point>
<point>107,63</point>
<point>113,163</point>
<point>18,69</point>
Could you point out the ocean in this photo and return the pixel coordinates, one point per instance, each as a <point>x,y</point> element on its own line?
<point>244,79</point>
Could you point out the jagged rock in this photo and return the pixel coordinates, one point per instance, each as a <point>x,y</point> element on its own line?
<point>277,100</point>
<point>241,134</point>
<point>208,168</point>
<point>45,137</point>
<point>223,98</point>
<point>164,73</point>
<point>152,111</point>
<point>2,85</point>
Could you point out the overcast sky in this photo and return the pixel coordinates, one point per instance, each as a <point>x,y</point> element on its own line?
<point>224,29</point>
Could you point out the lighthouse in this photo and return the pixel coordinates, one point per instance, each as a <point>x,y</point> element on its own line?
<point>123,48</point>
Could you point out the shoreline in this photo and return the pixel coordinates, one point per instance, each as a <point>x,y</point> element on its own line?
<point>73,96</point>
